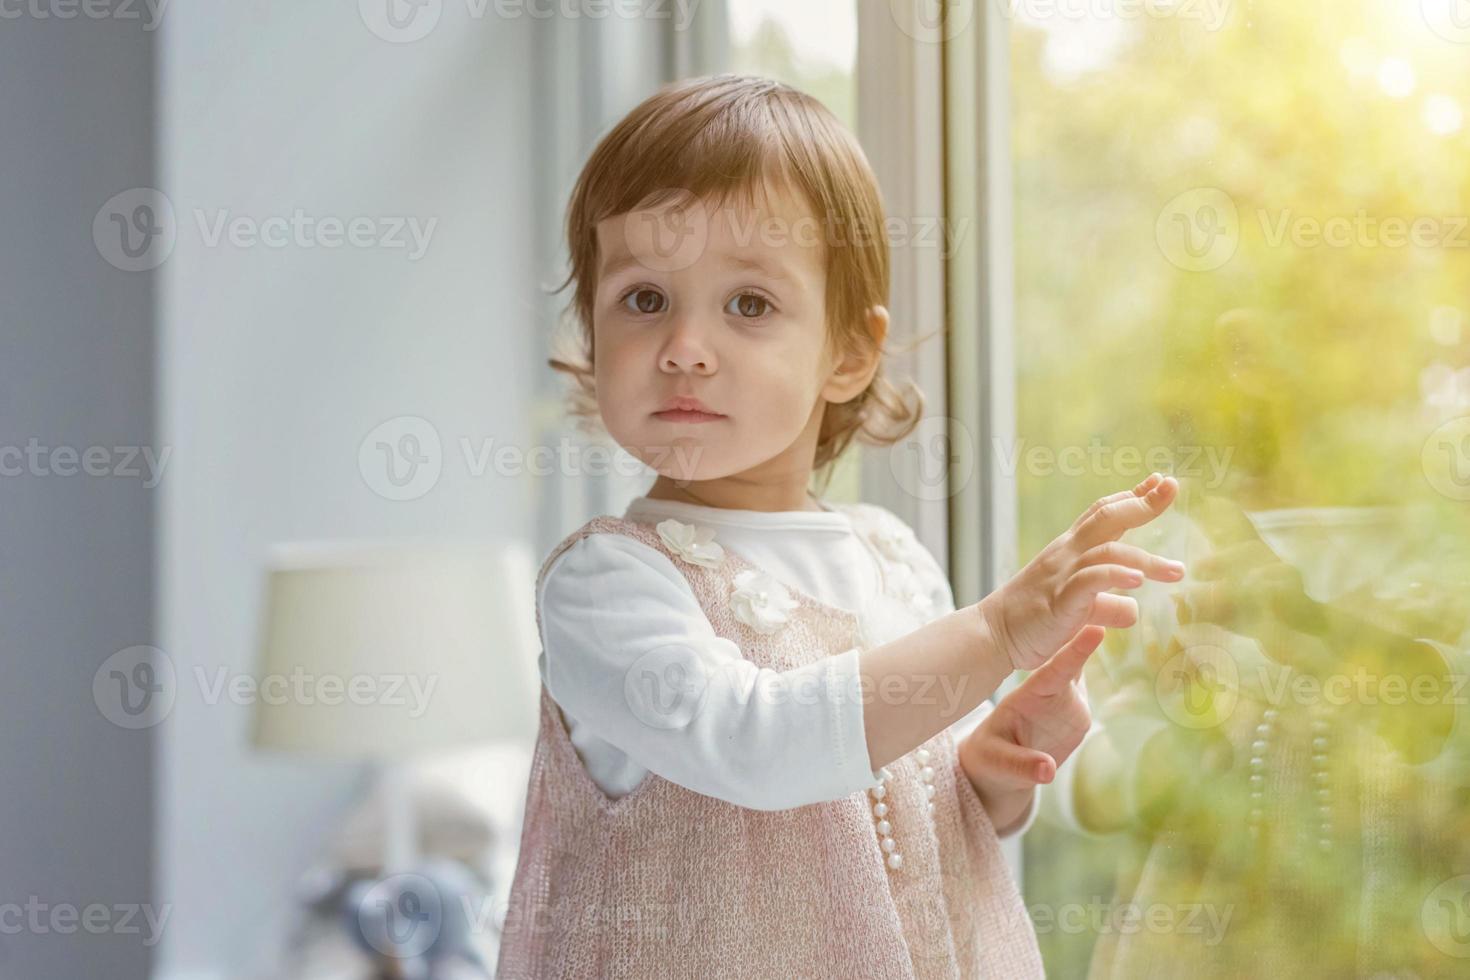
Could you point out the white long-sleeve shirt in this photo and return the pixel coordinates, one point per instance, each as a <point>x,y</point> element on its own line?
<point>610,599</point>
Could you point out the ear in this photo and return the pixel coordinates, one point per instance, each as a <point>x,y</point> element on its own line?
<point>852,374</point>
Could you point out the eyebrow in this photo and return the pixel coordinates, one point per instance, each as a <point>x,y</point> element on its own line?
<point>617,265</point>
<point>626,260</point>
<point>775,271</point>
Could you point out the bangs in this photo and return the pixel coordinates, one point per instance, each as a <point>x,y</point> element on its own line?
<point>724,152</point>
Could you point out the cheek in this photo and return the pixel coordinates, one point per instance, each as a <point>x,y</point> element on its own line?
<point>625,381</point>
<point>614,356</point>
<point>610,376</point>
<point>783,387</point>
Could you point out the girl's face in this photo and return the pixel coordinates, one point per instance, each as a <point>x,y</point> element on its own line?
<point>727,306</point>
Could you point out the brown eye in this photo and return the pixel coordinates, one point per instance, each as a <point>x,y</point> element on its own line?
<point>644,301</point>
<point>749,305</point>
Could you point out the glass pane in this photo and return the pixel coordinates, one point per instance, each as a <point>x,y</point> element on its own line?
<point>1242,256</point>
<point>811,45</point>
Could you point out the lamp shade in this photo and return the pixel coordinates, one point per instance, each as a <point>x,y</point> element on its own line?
<point>389,650</point>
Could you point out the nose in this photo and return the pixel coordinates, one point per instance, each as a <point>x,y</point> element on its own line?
<point>686,349</point>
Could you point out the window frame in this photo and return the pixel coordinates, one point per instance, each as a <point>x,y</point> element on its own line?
<point>931,110</point>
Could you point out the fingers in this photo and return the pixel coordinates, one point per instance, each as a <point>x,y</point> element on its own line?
<point>1116,611</point>
<point>1015,764</point>
<point>1066,667</point>
<point>1113,517</point>
<point>1116,552</point>
<point>1077,594</point>
<point>1142,488</point>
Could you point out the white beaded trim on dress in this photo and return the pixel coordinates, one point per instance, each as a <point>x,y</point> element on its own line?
<point>897,573</point>
<point>879,792</point>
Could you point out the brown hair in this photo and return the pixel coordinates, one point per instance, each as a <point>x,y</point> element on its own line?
<point>719,136</point>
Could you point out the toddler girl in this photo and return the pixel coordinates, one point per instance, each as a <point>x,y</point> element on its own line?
<point>764,747</point>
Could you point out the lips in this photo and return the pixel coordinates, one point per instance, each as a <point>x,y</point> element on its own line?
<point>685,408</point>
<point>687,415</point>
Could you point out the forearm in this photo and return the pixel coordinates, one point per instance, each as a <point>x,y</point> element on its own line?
<point>919,684</point>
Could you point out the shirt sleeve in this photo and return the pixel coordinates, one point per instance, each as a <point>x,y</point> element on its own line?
<point>631,655</point>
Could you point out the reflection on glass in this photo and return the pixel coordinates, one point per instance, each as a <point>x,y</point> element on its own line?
<point>1252,219</point>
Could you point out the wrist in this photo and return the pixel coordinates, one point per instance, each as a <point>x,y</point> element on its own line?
<point>1005,805</point>
<point>991,635</point>
<point>1021,819</point>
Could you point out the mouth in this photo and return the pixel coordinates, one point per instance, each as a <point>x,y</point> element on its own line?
<point>687,415</point>
<point>686,408</point>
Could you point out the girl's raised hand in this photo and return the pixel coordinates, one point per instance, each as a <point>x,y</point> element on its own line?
<point>1065,587</point>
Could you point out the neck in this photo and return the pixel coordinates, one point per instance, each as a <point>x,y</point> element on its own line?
<point>730,493</point>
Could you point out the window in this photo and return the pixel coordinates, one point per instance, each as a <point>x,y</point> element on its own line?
<point>1241,255</point>
<point>811,45</point>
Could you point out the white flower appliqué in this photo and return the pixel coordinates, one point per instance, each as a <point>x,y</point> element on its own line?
<point>890,544</point>
<point>911,590</point>
<point>760,601</point>
<point>921,602</point>
<point>894,545</point>
<point>696,545</point>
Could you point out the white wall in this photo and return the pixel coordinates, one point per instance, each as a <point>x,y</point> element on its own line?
<point>277,362</point>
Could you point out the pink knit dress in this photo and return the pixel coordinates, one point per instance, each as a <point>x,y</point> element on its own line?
<point>668,882</point>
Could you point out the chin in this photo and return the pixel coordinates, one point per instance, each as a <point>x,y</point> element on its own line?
<point>676,452</point>
<point>689,460</point>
